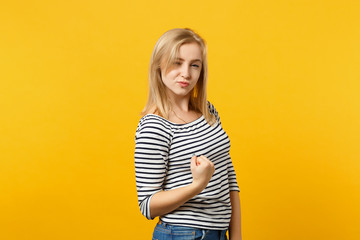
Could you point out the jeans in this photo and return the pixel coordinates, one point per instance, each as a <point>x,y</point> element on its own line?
<point>165,231</point>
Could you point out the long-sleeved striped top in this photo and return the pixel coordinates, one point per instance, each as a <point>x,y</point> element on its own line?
<point>163,152</point>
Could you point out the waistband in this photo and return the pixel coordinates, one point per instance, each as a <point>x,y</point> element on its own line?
<point>180,226</point>
<point>169,229</point>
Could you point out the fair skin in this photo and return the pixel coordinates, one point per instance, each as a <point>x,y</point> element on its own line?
<point>235,222</point>
<point>179,80</point>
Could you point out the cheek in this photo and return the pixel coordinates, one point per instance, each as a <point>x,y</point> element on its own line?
<point>197,75</point>
<point>164,76</point>
<point>171,75</point>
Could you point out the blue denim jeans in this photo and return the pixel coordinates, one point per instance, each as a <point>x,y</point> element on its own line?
<point>165,231</point>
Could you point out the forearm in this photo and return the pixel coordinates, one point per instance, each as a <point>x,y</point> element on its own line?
<point>235,223</point>
<point>166,201</point>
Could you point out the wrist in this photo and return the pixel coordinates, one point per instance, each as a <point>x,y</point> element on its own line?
<point>197,187</point>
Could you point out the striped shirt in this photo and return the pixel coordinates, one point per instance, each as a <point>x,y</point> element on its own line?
<point>163,152</point>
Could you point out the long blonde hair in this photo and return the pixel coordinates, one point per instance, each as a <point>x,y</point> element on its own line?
<point>165,51</point>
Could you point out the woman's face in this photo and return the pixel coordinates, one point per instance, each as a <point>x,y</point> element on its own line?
<point>184,73</point>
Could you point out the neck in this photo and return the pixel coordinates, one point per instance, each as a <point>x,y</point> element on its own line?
<point>180,104</point>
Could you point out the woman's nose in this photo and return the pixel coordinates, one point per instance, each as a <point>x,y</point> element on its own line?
<point>185,72</point>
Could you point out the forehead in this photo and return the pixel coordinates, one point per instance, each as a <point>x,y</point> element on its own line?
<point>190,51</point>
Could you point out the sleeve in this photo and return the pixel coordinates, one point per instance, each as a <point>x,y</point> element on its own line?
<point>233,186</point>
<point>152,141</point>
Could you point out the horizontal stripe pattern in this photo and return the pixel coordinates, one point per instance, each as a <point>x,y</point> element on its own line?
<point>163,152</point>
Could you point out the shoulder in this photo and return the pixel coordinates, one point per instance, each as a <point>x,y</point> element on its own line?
<point>213,111</point>
<point>152,126</point>
<point>211,108</point>
<point>153,121</point>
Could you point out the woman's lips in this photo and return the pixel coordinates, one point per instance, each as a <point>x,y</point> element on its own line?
<point>184,84</point>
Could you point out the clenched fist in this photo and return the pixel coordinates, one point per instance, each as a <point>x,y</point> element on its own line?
<point>202,170</point>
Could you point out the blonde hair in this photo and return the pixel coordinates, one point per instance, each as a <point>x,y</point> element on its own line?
<point>165,51</point>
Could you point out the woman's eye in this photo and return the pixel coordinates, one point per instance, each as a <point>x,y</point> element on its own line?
<point>195,65</point>
<point>177,63</point>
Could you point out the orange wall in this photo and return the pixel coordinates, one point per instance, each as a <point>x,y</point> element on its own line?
<point>284,76</point>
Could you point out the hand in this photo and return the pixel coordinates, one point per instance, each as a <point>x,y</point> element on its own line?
<point>202,170</point>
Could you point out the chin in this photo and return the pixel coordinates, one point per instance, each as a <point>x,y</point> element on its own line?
<point>182,94</point>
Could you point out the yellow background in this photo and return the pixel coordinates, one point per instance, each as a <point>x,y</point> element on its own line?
<point>283,74</point>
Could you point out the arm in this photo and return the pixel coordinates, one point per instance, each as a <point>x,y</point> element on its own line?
<point>166,201</point>
<point>235,222</point>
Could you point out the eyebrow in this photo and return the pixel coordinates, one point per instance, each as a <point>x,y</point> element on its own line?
<point>194,60</point>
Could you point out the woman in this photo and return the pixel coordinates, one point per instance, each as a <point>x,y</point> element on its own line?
<point>184,173</point>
